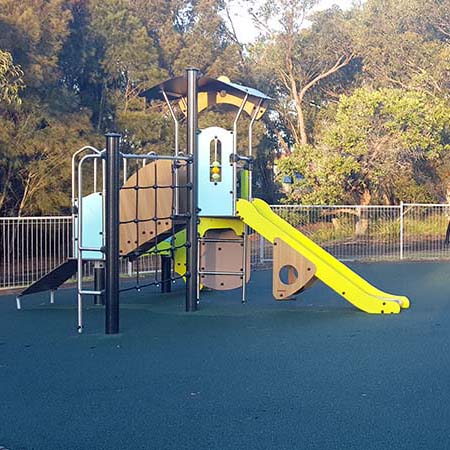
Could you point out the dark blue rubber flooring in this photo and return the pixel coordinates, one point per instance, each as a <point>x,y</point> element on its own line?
<point>310,374</point>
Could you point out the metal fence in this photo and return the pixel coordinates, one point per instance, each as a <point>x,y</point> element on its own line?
<point>32,246</point>
<point>367,233</point>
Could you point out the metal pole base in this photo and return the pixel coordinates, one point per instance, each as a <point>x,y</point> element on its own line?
<point>166,272</point>
<point>99,284</point>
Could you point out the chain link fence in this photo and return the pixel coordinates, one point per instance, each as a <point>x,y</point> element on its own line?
<point>32,246</point>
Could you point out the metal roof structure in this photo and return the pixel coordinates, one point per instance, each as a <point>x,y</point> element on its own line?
<point>176,88</point>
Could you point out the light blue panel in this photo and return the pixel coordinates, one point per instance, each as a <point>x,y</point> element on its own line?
<point>215,199</point>
<point>92,225</point>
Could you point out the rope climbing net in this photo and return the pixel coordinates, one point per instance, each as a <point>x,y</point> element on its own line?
<point>153,215</point>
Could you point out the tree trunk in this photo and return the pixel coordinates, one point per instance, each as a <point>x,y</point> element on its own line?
<point>24,196</point>
<point>101,107</point>
<point>6,186</point>
<point>302,125</point>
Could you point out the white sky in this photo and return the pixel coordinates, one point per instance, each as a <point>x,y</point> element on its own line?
<point>246,31</point>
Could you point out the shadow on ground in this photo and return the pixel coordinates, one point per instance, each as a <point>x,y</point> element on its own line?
<point>310,374</point>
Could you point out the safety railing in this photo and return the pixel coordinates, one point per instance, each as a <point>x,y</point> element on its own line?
<point>32,246</point>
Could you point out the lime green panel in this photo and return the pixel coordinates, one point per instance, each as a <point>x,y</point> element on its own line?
<point>179,264</point>
<point>221,223</point>
<point>163,248</point>
<point>245,192</point>
<point>259,216</point>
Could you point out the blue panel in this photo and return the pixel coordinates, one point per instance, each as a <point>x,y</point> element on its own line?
<point>215,199</point>
<point>92,225</point>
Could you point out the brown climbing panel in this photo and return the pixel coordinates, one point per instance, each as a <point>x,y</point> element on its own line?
<point>301,271</point>
<point>151,203</point>
<point>222,257</point>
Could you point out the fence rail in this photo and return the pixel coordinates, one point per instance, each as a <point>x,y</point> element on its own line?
<point>32,246</point>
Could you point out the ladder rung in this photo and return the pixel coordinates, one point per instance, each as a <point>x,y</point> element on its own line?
<point>219,240</point>
<point>221,273</point>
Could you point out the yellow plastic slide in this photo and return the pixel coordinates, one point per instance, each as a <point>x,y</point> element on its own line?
<point>355,289</point>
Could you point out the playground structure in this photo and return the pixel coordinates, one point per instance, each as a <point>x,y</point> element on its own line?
<point>194,210</point>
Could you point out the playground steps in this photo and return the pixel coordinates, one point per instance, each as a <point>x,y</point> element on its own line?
<point>222,258</point>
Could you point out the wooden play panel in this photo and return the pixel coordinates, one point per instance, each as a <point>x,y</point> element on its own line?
<point>223,257</point>
<point>301,271</point>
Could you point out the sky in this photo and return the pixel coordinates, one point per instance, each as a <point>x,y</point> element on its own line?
<point>246,31</point>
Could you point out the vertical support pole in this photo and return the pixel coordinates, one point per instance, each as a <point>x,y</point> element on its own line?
<point>192,201</point>
<point>250,149</point>
<point>244,265</point>
<point>95,176</point>
<point>401,229</point>
<point>177,152</point>
<point>99,282</point>
<point>166,272</point>
<point>235,124</point>
<point>261,249</point>
<point>112,157</point>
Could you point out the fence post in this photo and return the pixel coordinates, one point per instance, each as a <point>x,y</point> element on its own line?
<point>192,203</point>
<point>401,229</point>
<point>112,157</point>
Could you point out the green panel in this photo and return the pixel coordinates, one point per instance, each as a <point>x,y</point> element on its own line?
<point>245,191</point>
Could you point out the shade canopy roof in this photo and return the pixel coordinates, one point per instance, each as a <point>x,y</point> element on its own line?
<point>176,88</point>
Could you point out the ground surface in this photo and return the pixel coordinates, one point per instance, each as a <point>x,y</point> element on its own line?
<point>314,374</point>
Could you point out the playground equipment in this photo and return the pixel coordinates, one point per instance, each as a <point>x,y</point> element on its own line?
<point>194,210</point>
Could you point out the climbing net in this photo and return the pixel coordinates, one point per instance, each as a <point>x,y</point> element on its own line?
<point>153,213</point>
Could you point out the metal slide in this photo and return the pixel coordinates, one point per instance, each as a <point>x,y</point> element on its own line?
<point>53,279</point>
<point>355,289</point>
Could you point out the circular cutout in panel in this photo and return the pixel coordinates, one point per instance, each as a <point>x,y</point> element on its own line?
<point>288,274</point>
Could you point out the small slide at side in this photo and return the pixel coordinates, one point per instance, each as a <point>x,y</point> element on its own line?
<point>355,289</point>
<point>53,279</point>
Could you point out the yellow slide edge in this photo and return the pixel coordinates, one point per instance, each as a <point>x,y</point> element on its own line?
<point>264,209</point>
<point>329,270</point>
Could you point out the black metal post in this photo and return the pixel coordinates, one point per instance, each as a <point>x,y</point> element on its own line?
<point>112,186</point>
<point>166,272</point>
<point>99,283</point>
<point>192,201</point>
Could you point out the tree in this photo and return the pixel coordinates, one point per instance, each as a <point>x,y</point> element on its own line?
<point>11,81</point>
<point>34,31</point>
<point>385,145</point>
<point>403,44</point>
<point>296,60</point>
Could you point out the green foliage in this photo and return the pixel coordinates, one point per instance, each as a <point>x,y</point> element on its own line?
<point>384,145</point>
<point>11,82</point>
<point>361,96</point>
<point>34,32</point>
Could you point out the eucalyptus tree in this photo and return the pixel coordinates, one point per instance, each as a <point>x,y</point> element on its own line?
<point>298,58</point>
